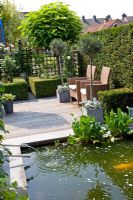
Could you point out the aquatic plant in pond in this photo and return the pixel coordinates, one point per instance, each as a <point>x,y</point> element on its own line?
<point>87,130</point>
<point>118,123</point>
<point>78,172</point>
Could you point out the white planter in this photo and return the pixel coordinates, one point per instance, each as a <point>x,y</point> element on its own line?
<point>97,113</point>
<point>63,96</point>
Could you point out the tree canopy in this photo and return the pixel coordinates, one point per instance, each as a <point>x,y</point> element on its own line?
<point>11,18</point>
<point>53,20</point>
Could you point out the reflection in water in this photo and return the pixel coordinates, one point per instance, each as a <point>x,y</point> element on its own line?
<point>80,173</point>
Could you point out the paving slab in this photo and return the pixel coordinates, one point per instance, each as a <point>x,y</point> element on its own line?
<point>39,116</point>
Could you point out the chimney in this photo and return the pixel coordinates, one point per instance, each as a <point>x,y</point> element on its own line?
<point>94,18</point>
<point>83,18</point>
<point>124,17</point>
<point>108,17</point>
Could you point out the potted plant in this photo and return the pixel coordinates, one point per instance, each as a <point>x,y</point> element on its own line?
<point>58,47</point>
<point>7,100</point>
<point>90,46</point>
<point>2,90</point>
<point>63,93</point>
<point>94,109</point>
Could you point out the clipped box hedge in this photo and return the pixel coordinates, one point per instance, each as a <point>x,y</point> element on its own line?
<point>116,98</point>
<point>43,87</point>
<point>19,88</point>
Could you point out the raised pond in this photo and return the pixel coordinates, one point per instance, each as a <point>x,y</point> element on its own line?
<point>64,172</point>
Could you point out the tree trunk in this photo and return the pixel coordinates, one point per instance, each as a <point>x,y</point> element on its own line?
<point>61,70</point>
<point>91,81</point>
<point>58,64</point>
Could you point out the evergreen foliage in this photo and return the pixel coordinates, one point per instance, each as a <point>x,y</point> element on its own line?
<point>117,54</point>
<point>53,20</point>
<point>115,98</point>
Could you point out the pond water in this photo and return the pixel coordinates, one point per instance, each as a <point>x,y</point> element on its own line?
<point>63,172</point>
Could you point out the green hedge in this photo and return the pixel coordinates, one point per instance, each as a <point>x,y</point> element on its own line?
<point>19,88</point>
<point>117,54</point>
<point>43,87</point>
<point>116,98</point>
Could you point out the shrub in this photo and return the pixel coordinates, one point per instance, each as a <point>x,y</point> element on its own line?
<point>116,98</point>
<point>118,123</point>
<point>19,88</point>
<point>8,65</point>
<point>44,87</point>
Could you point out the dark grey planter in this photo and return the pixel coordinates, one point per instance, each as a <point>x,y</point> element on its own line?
<point>97,113</point>
<point>63,96</point>
<point>1,112</point>
<point>8,106</point>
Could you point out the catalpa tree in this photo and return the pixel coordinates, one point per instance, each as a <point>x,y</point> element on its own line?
<point>53,20</point>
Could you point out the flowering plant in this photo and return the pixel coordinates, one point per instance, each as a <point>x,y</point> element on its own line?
<point>92,104</point>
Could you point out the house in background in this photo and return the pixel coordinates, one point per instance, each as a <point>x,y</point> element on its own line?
<point>97,24</point>
<point>105,25</point>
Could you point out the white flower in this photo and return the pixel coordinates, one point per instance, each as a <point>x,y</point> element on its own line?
<point>103,128</point>
<point>68,57</point>
<point>112,139</point>
<point>108,134</point>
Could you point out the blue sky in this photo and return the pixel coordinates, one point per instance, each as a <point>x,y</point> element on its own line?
<point>100,8</point>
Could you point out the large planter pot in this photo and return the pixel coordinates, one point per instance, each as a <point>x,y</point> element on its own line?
<point>130,110</point>
<point>8,106</point>
<point>97,113</point>
<point>63,96</point>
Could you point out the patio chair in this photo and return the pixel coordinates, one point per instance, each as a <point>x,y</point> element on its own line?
<point>101,85</point>
<point>74,84</point>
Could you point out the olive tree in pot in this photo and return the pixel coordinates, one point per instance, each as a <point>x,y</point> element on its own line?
<point>90,45</point>
<point>7,100</point>
<point>58,47</point>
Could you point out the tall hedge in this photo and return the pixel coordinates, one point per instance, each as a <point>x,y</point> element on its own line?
<point>117,53</point>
